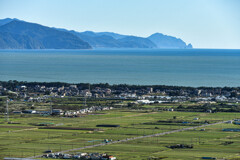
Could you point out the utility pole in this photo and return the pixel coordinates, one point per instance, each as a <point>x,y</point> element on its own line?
<point>51,106</point>
<point>7,114</point>
<point>85,101</point>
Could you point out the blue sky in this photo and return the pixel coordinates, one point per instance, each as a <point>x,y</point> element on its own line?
<point>204,23</point>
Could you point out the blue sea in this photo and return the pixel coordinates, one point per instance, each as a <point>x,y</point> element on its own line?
<point>178,67</point>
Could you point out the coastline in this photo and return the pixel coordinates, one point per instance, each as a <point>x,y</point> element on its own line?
<point>86,85</point>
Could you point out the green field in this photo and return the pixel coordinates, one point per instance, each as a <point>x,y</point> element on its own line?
<point>27,139</point>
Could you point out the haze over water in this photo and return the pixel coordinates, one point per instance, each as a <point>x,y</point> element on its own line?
<point>193,67</point>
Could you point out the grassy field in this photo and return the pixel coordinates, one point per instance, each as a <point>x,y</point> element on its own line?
<point>27,139</point>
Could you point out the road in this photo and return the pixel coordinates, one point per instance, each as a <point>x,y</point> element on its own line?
<point>134,138</point>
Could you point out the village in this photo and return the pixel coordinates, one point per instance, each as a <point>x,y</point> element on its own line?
<point>40,93</point>
<point>81,156</point>
<point>205,99</point>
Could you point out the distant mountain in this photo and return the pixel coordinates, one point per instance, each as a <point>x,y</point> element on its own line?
<point>23,35</point>
<point>164,41</point>
<point>137,42</point>
<point>113,40</point>
<point>17,34</point>
<point>98,41</point>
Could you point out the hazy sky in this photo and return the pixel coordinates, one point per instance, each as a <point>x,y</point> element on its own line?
<point>204,23</point>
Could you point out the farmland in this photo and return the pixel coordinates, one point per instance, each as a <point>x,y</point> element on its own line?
<point>25,138</point>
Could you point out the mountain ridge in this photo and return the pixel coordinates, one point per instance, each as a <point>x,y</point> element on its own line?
<point>42,37</point>
<point>18,34</point>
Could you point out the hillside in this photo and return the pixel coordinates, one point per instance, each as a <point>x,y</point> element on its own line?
<point>23,35</point>
<point>164,41</point>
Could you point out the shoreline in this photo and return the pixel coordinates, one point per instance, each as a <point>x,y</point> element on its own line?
<point>59,83</point>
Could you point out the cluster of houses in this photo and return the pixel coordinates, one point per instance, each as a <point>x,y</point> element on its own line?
<point>147,99</point>
<point>178,94</point>
<point>82,156</point>
<point>85,111</point>
<point>66,113</point>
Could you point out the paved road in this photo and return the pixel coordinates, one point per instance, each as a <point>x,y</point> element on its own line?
<point>134,138</point>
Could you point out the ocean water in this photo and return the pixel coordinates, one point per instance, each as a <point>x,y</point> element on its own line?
<point>183,67</point>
